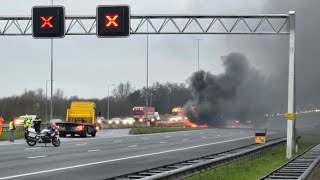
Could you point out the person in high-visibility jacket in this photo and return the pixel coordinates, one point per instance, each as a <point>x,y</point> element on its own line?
<point>26,125</point>
<point>37,124</point>
<point>1,124</point>
<point>11,130</point>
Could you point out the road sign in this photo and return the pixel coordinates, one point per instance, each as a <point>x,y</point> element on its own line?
<point>48,21</point>
<point>113,21</point>
<point>290,116</point>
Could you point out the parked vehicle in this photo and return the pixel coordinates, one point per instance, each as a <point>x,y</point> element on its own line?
<point>80,119</point>
<point>46,136</point>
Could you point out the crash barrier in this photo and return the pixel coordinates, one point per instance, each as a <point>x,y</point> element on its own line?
<point>197,166</point>
<point>303,167</point>
<point>5,127</point>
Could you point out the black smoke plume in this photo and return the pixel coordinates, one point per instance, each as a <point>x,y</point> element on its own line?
<point>239,93</point>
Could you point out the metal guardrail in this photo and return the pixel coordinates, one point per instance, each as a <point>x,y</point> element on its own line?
<point>302,167</point>
<point>196,166</point>
<point>5,127</point>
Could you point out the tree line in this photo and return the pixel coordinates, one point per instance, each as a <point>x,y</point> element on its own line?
<point>162,96</point>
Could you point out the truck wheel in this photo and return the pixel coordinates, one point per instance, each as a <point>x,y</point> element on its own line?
<point>93,134</point>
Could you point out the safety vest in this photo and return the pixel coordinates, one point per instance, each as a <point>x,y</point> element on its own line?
<point>1,121</point>
<point>11,125</point>
<point>37,120</point>
<point>27,124</point>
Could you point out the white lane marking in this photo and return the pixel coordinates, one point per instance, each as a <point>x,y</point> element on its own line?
<point>145,138</point>
<point>185,140</point>
<point>81,144</point>
<point>167,136</point>
<point>94,150</point>
<point>6,144</point>
<point>218,135</point>
<point>35,157</point>
<point>117,141</point>
<point>163,142</point>
<point>204,137</point>
<point>32,148</point>
<point>132,146</point>
<point>120,159</point>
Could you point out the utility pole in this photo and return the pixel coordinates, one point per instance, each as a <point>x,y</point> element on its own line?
<point>51,104</point>
<point>291,122</point>
<point>108,100</point>
<point>198,43</point>
<point>147,89</point>
<point>46,117</point>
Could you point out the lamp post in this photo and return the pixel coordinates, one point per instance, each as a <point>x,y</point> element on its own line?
<point>108,100</point>
<point>47,100</point>
<point>198,43</point>
<point>147,88</point>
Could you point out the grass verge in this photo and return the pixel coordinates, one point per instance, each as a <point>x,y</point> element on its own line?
<point>17,135</point>
<point>150,130</point>
<point>251,169</point>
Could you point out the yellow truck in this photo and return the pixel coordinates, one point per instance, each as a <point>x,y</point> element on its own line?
<point>80,119</point>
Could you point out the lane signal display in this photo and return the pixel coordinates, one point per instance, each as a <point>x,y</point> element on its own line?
<point>48,22</point>
<point>113,21</point>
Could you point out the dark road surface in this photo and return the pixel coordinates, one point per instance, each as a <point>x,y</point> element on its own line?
<point>114,152</point>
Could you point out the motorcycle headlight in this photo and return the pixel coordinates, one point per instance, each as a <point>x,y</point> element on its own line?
<point>110,122</point>
<point>99,121</point>
<point>140,119</point>
<point>117,122</point>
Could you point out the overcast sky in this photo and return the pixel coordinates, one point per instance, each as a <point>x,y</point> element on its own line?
<point>83,65</point>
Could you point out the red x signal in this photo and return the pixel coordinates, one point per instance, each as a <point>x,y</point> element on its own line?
<point>112,21</point>
<point>46,22</point>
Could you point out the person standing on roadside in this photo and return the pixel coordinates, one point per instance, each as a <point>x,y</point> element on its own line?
<point>26,125</point>
<point>11,130</point>
<point>37,124</point>
<point>1,124</point>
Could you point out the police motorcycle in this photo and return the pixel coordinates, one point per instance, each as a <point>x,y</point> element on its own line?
<point>46,136</point>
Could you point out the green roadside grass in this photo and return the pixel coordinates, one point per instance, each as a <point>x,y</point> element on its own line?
<point>251,169</point>
<point>18,134</point>
<point>150,130</point>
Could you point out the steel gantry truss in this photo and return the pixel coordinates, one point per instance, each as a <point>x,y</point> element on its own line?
<point>165,24</point>
<point>275,24</point>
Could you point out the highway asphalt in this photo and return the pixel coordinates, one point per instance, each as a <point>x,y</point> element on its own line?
<point>114,152</point>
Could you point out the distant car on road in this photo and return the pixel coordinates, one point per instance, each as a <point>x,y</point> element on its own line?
<point>157,116</point>
<point>20,121</point>
<point>175,118</point>
<point>57,120</point>
<point>114,121</point>
<point>128,121</point>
